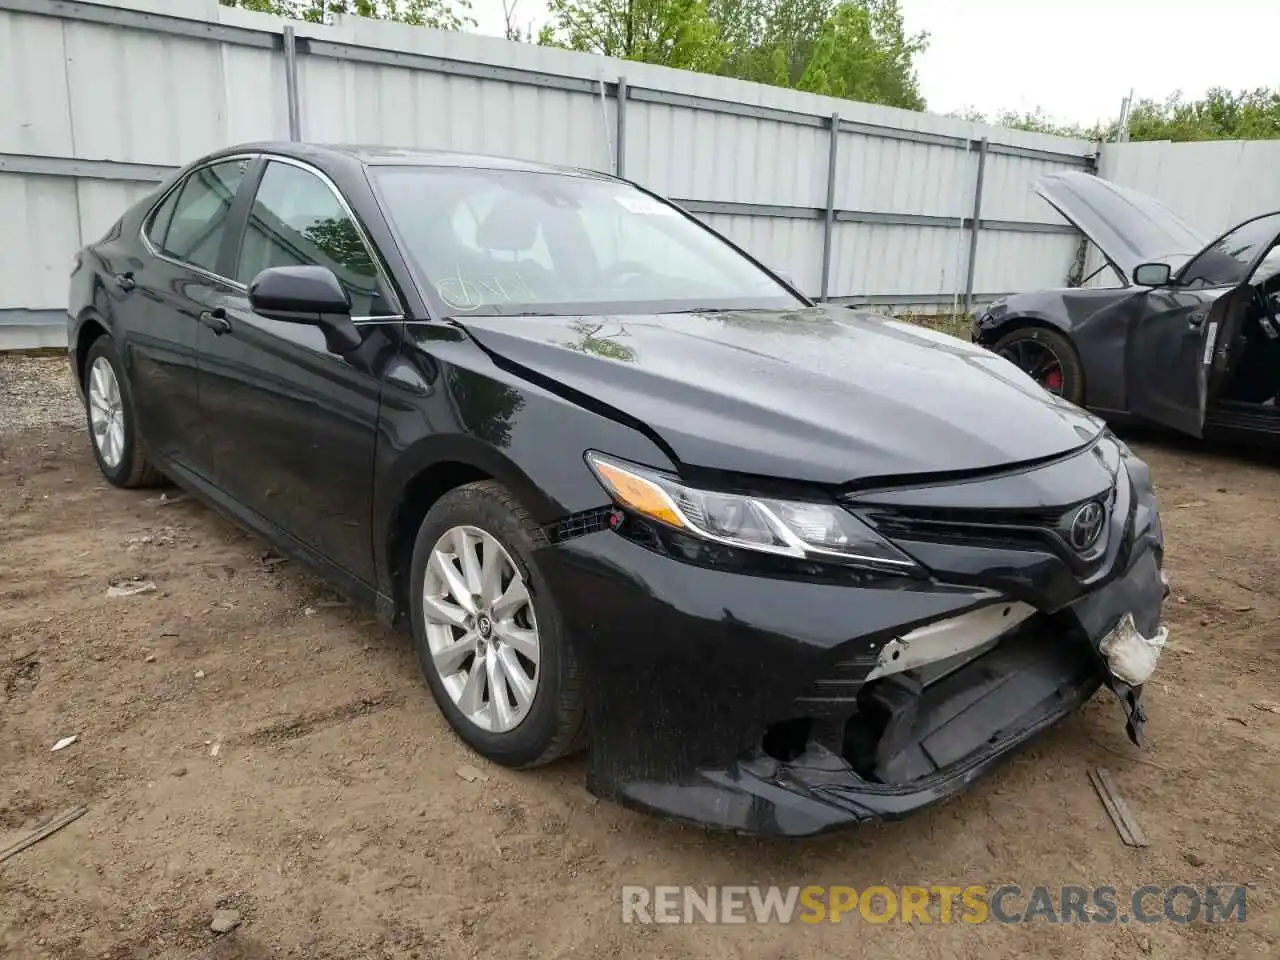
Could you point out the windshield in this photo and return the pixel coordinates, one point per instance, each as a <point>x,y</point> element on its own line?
<point>501,242</point>
<point>1227,261</point>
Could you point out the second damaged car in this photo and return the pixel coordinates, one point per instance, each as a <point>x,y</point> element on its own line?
<point>1171,329</point>
<point>774,564</point>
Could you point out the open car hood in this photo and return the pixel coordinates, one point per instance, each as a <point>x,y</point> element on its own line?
<point>1127,226</point>
<point>823,395</point>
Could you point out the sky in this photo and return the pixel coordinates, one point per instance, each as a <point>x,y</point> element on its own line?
<point>1074,60</point>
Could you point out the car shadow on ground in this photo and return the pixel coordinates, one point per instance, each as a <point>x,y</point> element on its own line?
<point>1253,453</point>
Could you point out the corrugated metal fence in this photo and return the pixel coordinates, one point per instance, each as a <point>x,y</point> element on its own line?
<point>858,203</point>
<point>1213,185</point>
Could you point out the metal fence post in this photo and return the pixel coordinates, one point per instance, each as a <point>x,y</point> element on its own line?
<point>620,160</point>
<point>832,159</point>
<point>975,223</point>
<point>291,81</point>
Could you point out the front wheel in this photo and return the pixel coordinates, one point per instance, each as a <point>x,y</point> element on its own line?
<point>113,425</point>
<point>488,633</point>
<point>1048,357</point>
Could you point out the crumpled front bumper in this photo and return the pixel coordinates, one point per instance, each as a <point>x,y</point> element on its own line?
<point>689,669</point>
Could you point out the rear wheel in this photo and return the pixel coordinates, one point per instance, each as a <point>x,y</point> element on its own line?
<point>1048,357</point>
<point>113,426</point>
<point>488,633</point>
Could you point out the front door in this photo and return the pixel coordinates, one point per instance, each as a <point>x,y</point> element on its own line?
<point>1185,341</point>
<point>292,426</point>
<point>1170,350</point>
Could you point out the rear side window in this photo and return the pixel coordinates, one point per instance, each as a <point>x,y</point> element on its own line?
<point>159,222</point>
<point>297,220</point>
<point>198,220</point>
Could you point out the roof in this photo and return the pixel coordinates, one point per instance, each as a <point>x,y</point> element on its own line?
<point>375,155</point>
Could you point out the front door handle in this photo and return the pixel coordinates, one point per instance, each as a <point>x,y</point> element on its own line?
<point>125,281</point>
<point>216,320</point>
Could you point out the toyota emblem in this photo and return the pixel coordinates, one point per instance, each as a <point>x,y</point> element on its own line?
<point>1086,526</point>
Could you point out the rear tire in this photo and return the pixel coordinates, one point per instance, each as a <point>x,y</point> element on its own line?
<point>113,425</point>
<point>1030,341</point>
<point>502,630</point>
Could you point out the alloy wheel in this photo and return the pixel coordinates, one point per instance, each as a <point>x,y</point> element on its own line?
<point>106,412</point>
<point>1038,361</point>
<point>481,628</point>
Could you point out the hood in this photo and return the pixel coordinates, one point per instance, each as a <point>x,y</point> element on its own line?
<point>1127,226</point>
<point>822,395</point>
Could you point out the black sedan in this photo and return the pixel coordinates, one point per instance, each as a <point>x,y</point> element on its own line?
<point>1173,329</point>
<point>775,563</point>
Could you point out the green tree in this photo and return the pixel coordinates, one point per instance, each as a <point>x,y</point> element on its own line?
<point>856,49</point>
<point>863,53</point>
<point>1219,115</point>
<point>674,33</point>
<point>769,41</point>
<point>441,14</point>
<point>1036,121</point>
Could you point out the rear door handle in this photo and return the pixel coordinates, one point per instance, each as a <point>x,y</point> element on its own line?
<point>125,281</point>
<point>216,320</point>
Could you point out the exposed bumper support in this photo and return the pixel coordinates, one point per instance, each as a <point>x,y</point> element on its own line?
<point>685,689</point>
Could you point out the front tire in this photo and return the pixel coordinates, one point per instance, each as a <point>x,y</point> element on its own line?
<point>488,633</point>
<point>113,425</point>
<point>1048,357</point>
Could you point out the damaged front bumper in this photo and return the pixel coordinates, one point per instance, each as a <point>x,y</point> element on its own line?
<point>796,706</point>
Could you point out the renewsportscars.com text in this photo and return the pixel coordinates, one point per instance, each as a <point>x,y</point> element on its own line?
<point>972,903</point>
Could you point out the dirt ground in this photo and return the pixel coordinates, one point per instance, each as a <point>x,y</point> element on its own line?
<point>245,741</point>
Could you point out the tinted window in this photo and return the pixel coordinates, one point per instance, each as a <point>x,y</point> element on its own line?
<point>506,242</point>
<point>298,220</point>
<point>200,214</point>
<point>1228,260</point>
<point>159,222</point>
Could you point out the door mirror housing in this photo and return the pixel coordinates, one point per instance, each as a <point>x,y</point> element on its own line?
<point>1152,274</point>
<point>310,295</point>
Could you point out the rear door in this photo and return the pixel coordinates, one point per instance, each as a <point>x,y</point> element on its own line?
<point>1187,338</point>
<point>168,292</point>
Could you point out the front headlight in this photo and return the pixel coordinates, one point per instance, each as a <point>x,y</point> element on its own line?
<point>789,528</point>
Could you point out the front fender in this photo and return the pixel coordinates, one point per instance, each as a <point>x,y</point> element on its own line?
<point>992,323</point>
<point>447,405</point>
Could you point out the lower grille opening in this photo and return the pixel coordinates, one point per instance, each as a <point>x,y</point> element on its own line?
<point>921,722</point>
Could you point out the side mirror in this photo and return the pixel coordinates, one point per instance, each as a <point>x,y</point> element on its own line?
<point>1152,274</point>
<point>310,295</point>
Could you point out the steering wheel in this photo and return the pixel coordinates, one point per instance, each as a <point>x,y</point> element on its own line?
<point>624,269</point>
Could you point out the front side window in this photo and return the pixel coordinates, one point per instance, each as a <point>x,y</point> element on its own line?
<point>1227,261</point>
<point>297,220</point>
<point>502,242</point>
<point>198,220</point>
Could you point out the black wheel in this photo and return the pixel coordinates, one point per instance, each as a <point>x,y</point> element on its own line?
<point>487,632</point>
<point>117,445</point>
<point>1048,357</point>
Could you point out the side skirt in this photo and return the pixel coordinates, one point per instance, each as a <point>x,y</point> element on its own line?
<point>1243,420</point>
<point>342,580</point>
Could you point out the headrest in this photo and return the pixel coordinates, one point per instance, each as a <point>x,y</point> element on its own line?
<point>511,224</point>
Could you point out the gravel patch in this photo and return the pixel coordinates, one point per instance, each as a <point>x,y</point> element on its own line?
<point>37,391</point>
